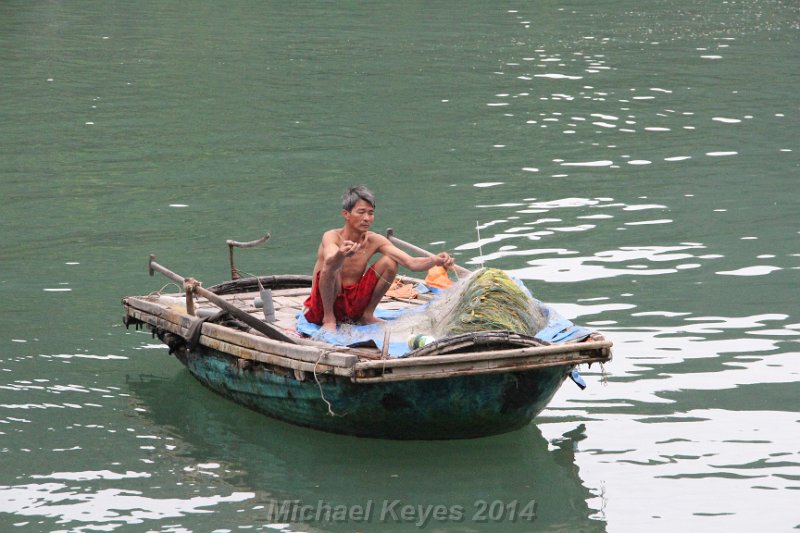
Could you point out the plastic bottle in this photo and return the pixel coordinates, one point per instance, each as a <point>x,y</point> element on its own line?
<point>418,341</point>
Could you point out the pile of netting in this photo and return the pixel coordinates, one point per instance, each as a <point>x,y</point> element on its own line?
<point>486,300</point>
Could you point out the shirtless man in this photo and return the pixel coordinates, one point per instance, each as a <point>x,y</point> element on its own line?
<point>344,288</point>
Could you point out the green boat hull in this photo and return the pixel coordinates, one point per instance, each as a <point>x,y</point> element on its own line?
<point>456,407</point>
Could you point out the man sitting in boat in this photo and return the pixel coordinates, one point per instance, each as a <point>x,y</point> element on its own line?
<point>344,288</point>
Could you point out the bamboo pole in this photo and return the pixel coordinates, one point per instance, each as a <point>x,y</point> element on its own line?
<point>461,271</point>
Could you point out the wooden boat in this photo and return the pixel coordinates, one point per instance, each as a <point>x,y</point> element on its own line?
<point>465,386</point>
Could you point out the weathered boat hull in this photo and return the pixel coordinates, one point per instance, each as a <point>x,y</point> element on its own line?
<point>464,386</point>
<point>456,407</point>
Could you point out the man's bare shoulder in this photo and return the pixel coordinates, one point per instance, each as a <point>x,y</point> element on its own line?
<point>377,237</point>
<point>376,240</point>
<point>331,235</point>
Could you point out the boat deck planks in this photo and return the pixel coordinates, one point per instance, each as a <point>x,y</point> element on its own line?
<point>167,312</point>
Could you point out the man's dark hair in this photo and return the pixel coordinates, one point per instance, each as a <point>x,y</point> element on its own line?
<point>356,193</point>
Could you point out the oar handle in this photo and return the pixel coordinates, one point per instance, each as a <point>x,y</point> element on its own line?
<point>259,325</point>
<point>242,244</point>
<point>400,243</point>
<point>154,267</point>
<point>249,244</point>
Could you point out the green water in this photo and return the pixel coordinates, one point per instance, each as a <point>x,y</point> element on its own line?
<point>635,164</point>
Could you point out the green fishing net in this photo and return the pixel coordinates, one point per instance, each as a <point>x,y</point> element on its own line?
<point>486,300</point>
<point>490,300</point>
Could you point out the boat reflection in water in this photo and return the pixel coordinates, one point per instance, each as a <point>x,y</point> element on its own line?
<point>484,484</point>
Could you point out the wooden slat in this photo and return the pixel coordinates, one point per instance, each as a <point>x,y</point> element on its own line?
<point>292,292</point>
<point>167,313</point>
<point>309,354</point>
<point>323,361</point>
<point>475,367</point>
<point>492,354</point>
<point>286,301</point>
<point>255,355</point>
<point>158,322</point>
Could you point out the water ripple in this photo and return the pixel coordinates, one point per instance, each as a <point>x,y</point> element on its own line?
<point>103,509</point>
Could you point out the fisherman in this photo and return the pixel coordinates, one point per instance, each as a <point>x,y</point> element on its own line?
<point>344,288</point>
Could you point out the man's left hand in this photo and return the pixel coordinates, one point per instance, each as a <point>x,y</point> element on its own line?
<point>446,260</point>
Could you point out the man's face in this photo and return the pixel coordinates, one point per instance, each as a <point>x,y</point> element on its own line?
<point>361,217</point>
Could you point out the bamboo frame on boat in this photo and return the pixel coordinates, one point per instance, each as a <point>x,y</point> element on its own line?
<point>368,368</point>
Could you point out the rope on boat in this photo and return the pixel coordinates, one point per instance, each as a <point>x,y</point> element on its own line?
<point>322,354</point>
<point>161,290</point>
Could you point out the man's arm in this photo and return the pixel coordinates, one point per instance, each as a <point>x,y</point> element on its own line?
<point>415,264</point>
<point>333,253</point>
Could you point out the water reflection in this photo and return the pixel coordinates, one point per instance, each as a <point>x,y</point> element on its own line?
<point>277,461</point>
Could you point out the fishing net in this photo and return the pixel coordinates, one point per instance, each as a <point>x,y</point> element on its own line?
<point>486,300</point>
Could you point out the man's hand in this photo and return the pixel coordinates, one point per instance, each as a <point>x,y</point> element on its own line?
<point>444,259</point>
<point>349,248</point>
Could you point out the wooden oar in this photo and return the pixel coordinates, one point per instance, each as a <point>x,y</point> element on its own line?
<point>263,327</point>
<point>461,271</point>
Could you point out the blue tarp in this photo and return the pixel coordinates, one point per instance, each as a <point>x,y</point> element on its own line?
<point>558,329</point>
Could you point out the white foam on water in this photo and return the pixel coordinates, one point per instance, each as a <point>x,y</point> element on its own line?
<point>487,184</point>
<point>595,217</point>
<point>91,475</point>
<point>758,270</point>
<point>678,158</point>
<point>558,76</point>
<point>641,207</point>
<point>720,154</point>
<point>650,222</point>
<point>104,509</point>
<point>85,356</point>
<point>602,163</point>
<point>726,120</point>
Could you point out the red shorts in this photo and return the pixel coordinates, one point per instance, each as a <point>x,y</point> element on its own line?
<point>349,305</point>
